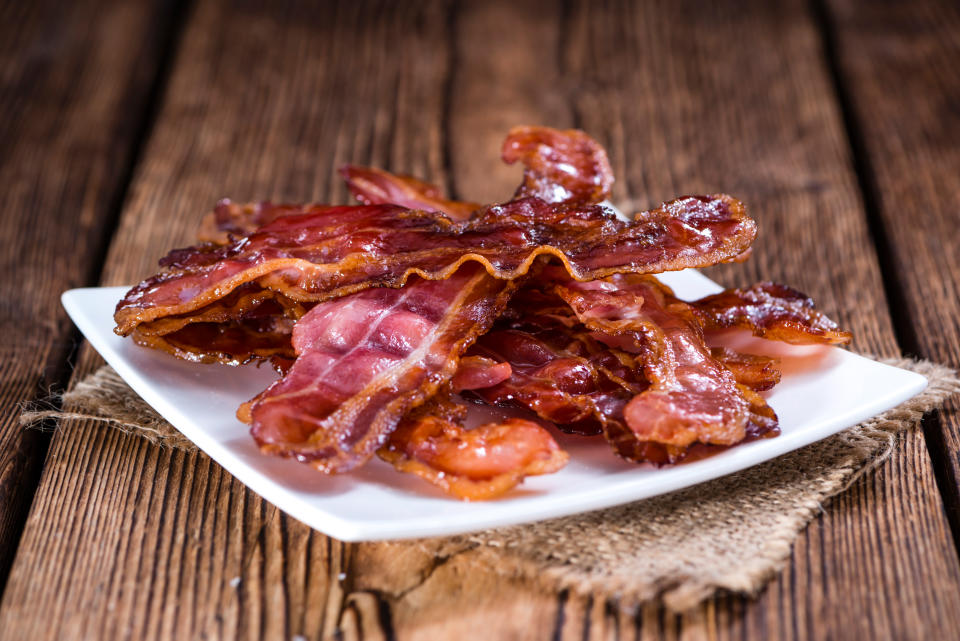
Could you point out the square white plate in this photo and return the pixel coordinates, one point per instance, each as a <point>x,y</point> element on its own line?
<point>823,391</point>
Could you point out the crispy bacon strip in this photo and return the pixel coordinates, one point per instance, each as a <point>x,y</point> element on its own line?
<point>692,398</point>
<point>471,464</point>
<point>364,360</point>
<point>560,166</point>
<point>772,311</point>
<point>478,372</point>
<point>759,373</point>
<point>229,343</point>
<point>558,384</point>
<point>377,187</point>
<point>557,370</point>
<point>233,220</point>
<point>246,325</point>
<point>333,251</point>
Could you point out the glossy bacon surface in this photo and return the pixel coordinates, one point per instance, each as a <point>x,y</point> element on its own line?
<point>364,360</point>
<point>229,343</point>
<point>555,383</point>
<point>772,311</point>
<point>559,165</point>
<point>692,398</point>
<point>474,464</point>
<point>243,326</point>
<point>759,373</point>
<point>234,220</point>
<point>478,372</point>
<point>333,251</point>
<point>377,187</point>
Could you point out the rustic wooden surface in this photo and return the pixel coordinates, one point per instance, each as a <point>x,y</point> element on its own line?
<point>71,117</point>
<point>837,122</point>
<point>903,94</point>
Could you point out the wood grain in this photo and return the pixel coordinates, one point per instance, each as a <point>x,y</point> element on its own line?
<point>264,101</point>
<point>70,114</point>
<point>128,540</point>
<point>897,66</point>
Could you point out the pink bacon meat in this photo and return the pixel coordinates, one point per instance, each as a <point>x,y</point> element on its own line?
<point>377,187</point>
<point>692,397</point>
<point>363,361</point>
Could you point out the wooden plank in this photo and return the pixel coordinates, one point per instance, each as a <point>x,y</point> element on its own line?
<point>129,540</point>
<point>70,113</point>
<point>898,68</point>
<point>265,100</point>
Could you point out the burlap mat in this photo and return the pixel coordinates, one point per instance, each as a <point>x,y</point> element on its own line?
<point>734,533</point>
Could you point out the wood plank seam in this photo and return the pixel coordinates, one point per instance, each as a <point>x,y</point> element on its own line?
<point>904,331</point>
<point>61,360</point>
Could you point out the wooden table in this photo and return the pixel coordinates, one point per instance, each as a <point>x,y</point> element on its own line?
<point>838,122</point>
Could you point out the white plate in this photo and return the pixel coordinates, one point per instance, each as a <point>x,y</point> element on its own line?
<point>823,391</point>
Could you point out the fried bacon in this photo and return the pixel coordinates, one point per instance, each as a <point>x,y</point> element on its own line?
<point>772,311</point>
<point>233,220</point>
<point>364,360</point>
<point>376,316</point>
<point>554,383</point>
<point>329,252</point>
<point>243,326</point>
<point>692,398</point>
<point>471,464</point>
<point>559,166</point>
<point>759,373</point>
<point>377,187</point>
<point>230,343</point>
<point>478,372</point>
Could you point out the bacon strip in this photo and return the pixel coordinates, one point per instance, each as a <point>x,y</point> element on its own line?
<point>471,464</point>
<point>478,372</point>
<point>759,373</point>
<point>364,360</point>
<point>333,251</point>
<point>692,398</point>
<point>772,311</point>
<point>377,187</point>
<point>246,325</point>
<point>554,383</point>
<point>226,337</point>
<point>560,166</point>
<point>233,220</point>
<point>229,343</point>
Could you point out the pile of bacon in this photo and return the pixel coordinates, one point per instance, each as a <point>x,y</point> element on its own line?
<point>386,319</point>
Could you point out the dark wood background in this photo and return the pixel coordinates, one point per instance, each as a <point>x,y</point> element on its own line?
<point>837,121</point>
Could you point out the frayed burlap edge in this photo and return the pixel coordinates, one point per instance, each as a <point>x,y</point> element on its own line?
<point>104,397</point>
<point>734,533</point>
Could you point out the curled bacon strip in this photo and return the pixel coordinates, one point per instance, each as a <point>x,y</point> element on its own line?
<point>772,311</point>
<point>759,373</point>
<point>478,372</point>
<point>692,398</point>
<point>560,166</point>
<point>229,219</point>
<point>243,326</point>
<point>230,343</point>
<point>377,187</point>
<point>364,360</point>
<point>333,251</point>
<point>471,464</point>
<point>554,383</point>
